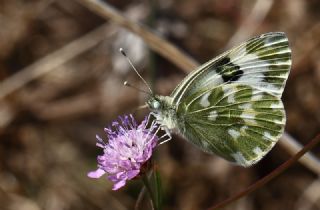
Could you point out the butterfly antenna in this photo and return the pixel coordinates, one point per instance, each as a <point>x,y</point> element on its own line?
<point>145,82</point>
<point>133,87</point>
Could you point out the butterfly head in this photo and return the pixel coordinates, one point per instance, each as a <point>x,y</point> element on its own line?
<point>162,109</point>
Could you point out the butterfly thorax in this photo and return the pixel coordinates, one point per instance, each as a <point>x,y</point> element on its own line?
<point>164,111</point>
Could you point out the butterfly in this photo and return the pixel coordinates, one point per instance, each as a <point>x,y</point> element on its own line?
<point>231,105</point>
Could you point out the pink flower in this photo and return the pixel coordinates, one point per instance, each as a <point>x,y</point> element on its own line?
<point>128,148</point>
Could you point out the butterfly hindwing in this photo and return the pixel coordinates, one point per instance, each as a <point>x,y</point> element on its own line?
<point>237,122</point>
<point>262,62</point>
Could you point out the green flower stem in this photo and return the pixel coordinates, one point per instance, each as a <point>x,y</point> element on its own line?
<point>147,184</point>
<point>158,188</point>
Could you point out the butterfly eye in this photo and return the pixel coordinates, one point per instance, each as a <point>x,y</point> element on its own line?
<point>156,104</point>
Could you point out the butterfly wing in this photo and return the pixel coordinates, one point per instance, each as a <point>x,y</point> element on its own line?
<point>231,105</point>
<point>238,122</point>
<point>262,62</point>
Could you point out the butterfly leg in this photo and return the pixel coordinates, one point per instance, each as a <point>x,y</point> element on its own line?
<point>167,134</point>
<point>158,121</point>
<point>148,120</point>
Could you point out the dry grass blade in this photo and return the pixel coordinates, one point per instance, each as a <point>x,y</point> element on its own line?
<point>258,13</point>
<point>293,147</point>
<point>305,49</point>
<point>157,43</point>
<point>53,60</point>
<point>310,196</point>
<point>180,59</point>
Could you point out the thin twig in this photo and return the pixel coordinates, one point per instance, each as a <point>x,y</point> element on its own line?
<point>270,176</point>
<point>174,55</point>
<point>53,60</point>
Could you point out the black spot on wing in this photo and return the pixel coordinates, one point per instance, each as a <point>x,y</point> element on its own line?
<point>236,75</point>
<point>223,61</point>
<point>228,70</point>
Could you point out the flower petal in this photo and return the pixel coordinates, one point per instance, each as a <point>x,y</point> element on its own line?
<point>119,184</point>
<point>96,174</point>
<point>133,173</point>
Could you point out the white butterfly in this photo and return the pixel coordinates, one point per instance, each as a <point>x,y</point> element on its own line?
<point>231,106</point>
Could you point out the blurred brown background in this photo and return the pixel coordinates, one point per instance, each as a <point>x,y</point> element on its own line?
<point>61,83</point>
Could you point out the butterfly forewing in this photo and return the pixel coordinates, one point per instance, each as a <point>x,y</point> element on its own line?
<point>237,122</point>
<point>262,62</point>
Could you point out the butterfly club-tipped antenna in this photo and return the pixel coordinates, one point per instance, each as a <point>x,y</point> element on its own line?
<point>135,70</point>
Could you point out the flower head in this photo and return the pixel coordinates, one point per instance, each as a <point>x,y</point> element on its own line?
<point>129,146</point>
